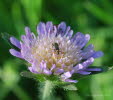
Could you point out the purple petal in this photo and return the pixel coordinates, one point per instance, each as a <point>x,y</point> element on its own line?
<point>88,48</point>
<point>84,72</point>
<point>23,38</point>
<point>81,39</point>
<point>71,81</point>
<point>28,31</point>
<point>78,67</point>
<point>78,34</point>
<point>85,40</point>
<point>26,53</point>
<point>53,66</point>
<point>49,27</point>
<point>41,28</point>
<point>15,53</point>
<point>88,62</point>
<point>54,30</point>
<point>31,69</point>
<point>67,31</point>
<point>93,69</point>
<point>34,65</point>
<point>42,66</point>
<point>87,37</point>
<point>63,66</point>
<point>70,33</point>
<point>47,72</point>
<point>15,42</point>
<point>66,75</point>
<point>58,71</point>
<point>61,28</point>
<point>27,41</point>
<point>87,54</point>
<point>44,69</point>
<point>29,35</point>
<point>98,54</point>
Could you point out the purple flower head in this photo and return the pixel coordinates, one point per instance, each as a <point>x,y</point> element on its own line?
<point>56,51</point>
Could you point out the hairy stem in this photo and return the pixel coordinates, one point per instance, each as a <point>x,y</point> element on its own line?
<point>46,90</point>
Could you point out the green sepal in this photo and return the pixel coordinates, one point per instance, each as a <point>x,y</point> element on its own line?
<point>27,74</point>
<point>6,37</point>
<point>37,77</point>
<point>41,77</point>
<point>71,87</point>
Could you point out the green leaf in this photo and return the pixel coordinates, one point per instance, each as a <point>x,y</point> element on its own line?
<point>37,77</point>
<point>6,37</point>
<point>99,13</point>
<point>70,87</point>
<point>27,74</point>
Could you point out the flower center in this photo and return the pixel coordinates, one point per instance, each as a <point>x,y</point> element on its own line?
<point>56,50</point>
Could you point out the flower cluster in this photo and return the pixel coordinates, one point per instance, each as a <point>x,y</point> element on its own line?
<point>56,51</point>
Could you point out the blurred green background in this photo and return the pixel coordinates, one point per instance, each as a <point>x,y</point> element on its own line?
<point>88,16</point>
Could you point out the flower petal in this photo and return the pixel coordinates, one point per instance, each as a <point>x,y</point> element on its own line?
<point>88,62</point>
<point>53,67</point>
<point>93,69</point>
<point>15,42</point>
<point>66,75</point>
<point>71,81</point>
<point>32,70</point>
<point>88,48</point>
<point>67,31</point>
<point>47,72</point>
<point>26,53</point>
<point>81,39</point>
<point>84,72</point>
<point>41,28</point>
<point>15,53</point>
<point>77,67</point>
<point>58,71</point>
<point>28,31</point>
<point>87,54</point>
<point>98,54</point>
<point>61,28</point>
<point>49,27</point>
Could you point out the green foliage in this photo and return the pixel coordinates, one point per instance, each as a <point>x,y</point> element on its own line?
<point>6,37</point>
<point>46,90</point>
<point>87,16</point>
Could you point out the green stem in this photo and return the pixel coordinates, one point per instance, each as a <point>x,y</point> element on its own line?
<point>46,90</point>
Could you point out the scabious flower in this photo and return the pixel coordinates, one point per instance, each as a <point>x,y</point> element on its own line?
<point>56,51</point>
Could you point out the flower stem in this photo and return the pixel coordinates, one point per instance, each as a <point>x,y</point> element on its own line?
<point>46,90</point>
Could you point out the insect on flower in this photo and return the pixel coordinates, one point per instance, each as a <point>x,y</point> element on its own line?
<point>56,47</point>
<point>56,51</point>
